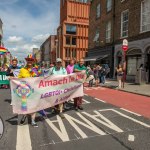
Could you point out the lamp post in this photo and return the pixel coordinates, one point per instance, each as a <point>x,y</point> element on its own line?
<point>124,48</point>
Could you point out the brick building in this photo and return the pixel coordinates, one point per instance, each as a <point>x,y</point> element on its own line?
<point>111,21</point>
<point>48,50</point>
<point>132,22</point>
<point>101,41</point>
<point>73,30</point>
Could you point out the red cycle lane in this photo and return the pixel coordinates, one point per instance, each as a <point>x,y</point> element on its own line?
<point>132,102</point>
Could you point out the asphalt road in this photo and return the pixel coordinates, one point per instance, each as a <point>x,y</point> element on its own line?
<point>100,126</point>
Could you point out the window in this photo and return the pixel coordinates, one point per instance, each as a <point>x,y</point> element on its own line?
<point>109,5</point>
<point>145,16</point>
<point>67,40</point>
<point>108,32</point>
<point>74,53</point>
<point>124,23</point>
<point>71,29</point>
<point>67,52</point>
<point>74,39</point>
<point>96,38</point>
<point>98,11</point>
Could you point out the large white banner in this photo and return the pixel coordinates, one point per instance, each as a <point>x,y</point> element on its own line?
<point>33,94</point>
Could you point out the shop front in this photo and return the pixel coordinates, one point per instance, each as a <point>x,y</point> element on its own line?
<point>101,55</point>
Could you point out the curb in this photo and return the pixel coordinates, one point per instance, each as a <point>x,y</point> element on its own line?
<point>127,91</point>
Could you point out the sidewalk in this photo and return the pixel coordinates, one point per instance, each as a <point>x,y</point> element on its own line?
<point>129,87</point>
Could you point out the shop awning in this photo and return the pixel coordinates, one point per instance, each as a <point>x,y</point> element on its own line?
<point>94,58</point>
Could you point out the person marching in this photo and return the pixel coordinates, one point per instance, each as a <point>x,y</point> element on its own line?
<point>27,72</point>
<point>120,73</point>
<point>79,68</point>
<point>58,70</point>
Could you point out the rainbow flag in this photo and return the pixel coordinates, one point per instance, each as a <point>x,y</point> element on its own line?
<point>2,49</point>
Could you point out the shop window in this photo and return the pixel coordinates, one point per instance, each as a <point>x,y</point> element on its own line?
<point>109,5</point>
<point>145,16</point>
<point>124,23</point>
<point>71,29</point>
<point>108,32</point>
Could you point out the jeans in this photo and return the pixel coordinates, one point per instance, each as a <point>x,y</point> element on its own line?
<point>103,78</point>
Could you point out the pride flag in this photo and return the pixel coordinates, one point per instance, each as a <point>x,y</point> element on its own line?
<point>3,50</point>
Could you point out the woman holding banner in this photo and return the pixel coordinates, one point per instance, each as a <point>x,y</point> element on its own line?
<point>27,72</point>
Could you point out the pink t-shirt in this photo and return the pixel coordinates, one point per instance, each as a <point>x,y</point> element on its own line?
<point>70,69</point>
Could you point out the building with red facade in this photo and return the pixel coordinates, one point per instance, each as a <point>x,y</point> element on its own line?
<point>73,30</point>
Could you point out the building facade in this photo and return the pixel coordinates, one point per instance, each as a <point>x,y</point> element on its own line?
<point>111,21</point>
<point>1,31</point>
<point>48,50</point>
<point>132,22</point>
<point>73,30</point>
<point>37,55</point>
<point>101,37</point>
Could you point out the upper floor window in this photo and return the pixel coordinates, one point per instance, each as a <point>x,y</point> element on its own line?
<point>124,23</point>
<point>96,38</point>
<point>71,29</point>
<point>109,5</point>
<point>108,32</point>
<point>98,10</point>
<point>145,16</point>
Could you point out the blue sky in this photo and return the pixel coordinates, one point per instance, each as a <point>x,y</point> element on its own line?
<point>27,23</point>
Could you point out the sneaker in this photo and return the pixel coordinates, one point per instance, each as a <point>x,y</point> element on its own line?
<point>22,122</point>
<point>80,107</point>
<point>34,124</point>
<point>62,115</point>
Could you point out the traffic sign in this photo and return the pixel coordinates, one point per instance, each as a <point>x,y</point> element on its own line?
<point>125,45</point>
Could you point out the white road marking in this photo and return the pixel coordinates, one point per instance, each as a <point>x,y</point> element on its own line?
<point>103,121</point>
<point>77,136</point>
<point>130,112</point>
<point>131,138</point>
<point>23,138</point>
<point>53,142</point>
<point>134,120</point>
<point>62,133</point>
<point>86,101</point>
<point>86,124</point>
<point>87,88</point>
<point>100,100</point>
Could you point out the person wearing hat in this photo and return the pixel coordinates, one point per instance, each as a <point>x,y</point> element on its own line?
<point>26,72</point>
<point>58,69</point>
<point>14,65</point>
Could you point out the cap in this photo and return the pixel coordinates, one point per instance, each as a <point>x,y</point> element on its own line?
<point>58,60</point>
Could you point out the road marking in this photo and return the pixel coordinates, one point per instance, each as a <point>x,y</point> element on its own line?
<point>137,121</point>
<point>23,138</point>
<point>53,142</point>
<point>87,88</point>
<point>131,138</point>
<point>85,94</point>
<point>86,124</point>
<point>61,132</point>
<point>130,112</point>
<point>103,121</point>
<point>86,101</point>
<point>100,100</point>
<point>77,136</point>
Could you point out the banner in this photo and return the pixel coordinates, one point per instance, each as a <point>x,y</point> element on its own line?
<point>33,94</point>
<point>3,78</point>
<point>16,72</point>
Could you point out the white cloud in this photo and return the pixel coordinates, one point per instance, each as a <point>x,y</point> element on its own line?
<point>14,39</point>
<point>40,38</point>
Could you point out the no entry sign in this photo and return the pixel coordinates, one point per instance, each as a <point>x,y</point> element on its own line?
<point>125,45</point>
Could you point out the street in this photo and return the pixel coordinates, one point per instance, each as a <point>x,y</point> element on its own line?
<point>100,126</point>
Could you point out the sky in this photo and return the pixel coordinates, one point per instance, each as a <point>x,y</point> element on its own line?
<point>27,24</point>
